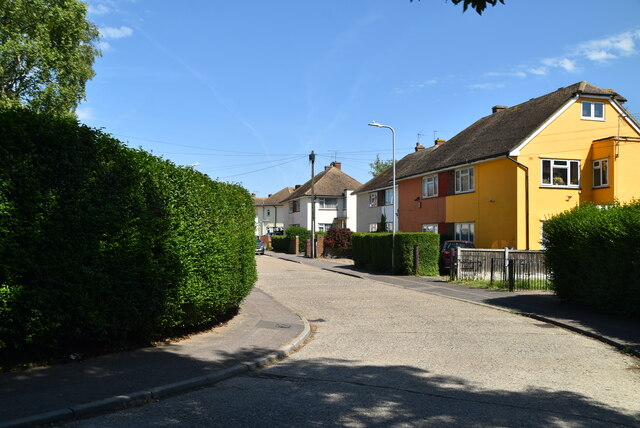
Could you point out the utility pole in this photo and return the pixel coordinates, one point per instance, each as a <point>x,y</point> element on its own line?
<point>312,158</point>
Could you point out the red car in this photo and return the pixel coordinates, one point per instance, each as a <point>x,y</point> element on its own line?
<point>449,249</point>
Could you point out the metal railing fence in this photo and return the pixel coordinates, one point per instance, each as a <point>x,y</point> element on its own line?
<point>509,269</point>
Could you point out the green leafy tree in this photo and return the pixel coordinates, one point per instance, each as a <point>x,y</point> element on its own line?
<point>478,5</point>
<point>378,166</point>
<point>47,50</point>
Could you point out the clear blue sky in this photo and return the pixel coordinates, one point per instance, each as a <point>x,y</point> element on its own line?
<point>247,89</point>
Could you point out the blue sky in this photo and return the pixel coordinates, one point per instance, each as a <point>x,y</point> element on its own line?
<point>246,90</point>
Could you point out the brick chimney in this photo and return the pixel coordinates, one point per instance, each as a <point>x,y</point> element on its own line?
<point>298,186</point>
<point>439,142</point>
<point>419,147</point>
<point>496,109</point>
<point>337,165</point>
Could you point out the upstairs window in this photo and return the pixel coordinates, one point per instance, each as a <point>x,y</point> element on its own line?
<point>294,207</point>
<point>465,181</point>
<point>388,197</point>
<point>328,203</point>
<point>601,173</point>
<point>430,186</point>
<point>560,173</point>
<point>373,199</point>
<point>592,110</point>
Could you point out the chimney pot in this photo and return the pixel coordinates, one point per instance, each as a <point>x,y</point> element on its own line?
<point>496,109</point>
<point>298,186</point>
<point>337,164</point>
<point>270,194</point>
<point>419,147</point>
<point>253,195</point>
<point>439,142</point>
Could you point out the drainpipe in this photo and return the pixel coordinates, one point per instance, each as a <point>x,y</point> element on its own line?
<point>526,194</point>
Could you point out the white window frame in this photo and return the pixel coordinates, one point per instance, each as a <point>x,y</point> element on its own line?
<point>560,165</point>
<point>601,173</point>
<point>591,106</point>
<point>373,227</point>
<point>388,197</point>
<point>373,199</point>
<point>322,204</point>
<point>465,180</point>
<point>430,186</point>
<point>465,232</point>
<point>324,227</point>
<point>430,227</point>
<point>389,226</point>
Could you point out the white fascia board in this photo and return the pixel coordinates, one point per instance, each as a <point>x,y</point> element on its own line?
<point>534,134</point>
<point>449,168</point>
<point>622,113</point>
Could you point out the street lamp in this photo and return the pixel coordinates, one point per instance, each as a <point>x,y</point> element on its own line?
<point>393,165</point>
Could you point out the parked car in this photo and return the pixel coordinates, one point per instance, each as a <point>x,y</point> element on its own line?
<point>449,249</point>
<point>259,246</point>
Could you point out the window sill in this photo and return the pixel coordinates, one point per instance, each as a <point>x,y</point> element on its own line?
<point>430,197</point>
<point>549,186</point>
<point>463,192</point>
<point>601,187</point>
<point>597,119</point>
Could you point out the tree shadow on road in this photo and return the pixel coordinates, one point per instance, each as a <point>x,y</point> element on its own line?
<point>333,392</point>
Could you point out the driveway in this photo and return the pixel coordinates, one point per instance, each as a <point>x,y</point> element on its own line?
<point>388,356</point>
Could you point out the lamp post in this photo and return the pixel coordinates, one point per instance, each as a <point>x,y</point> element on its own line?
<point>393,165</point>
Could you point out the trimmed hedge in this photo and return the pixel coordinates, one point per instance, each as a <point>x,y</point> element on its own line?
<point>372,251</point>
<point>594,256</point>
<point>103,244</point>
<point>304,234</point>
<point>280,243</point>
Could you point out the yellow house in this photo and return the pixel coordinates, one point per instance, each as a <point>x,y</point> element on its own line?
<point>501,178</point>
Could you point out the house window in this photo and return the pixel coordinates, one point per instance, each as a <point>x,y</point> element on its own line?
<point>465,181</point>
<point>324,227</point>
<point>601,173</point>
<point>373,199</point>
<point>542,237</point>
<point>328,203</point>
<point>294,207</point>
<point>431,227</point>
<point>389,226</point>
<point>560,173</point>
<point>464,232</point>
<point>430,186</point>
<point>373,227</point>
<point>592,110</point>
<point>268,212</point>
<point>388,197</point>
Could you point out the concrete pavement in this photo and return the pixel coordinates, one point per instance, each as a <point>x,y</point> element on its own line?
<point>262,332</point>
<point>623,333</point>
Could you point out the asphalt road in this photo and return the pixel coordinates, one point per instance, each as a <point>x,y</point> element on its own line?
<point>387,356</point>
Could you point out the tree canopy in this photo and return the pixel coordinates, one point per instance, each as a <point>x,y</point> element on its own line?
<point>378,166</point>
<point>478,5</point>
<point>47,50</point>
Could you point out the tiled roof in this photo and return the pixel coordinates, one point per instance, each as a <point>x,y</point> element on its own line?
<point>275,199</point>
<point>330,182</point>
<point>384,180</point>
<point>499,133</point>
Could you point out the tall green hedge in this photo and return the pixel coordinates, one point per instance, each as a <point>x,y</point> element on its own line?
<point>100,243</point>
<point>303,233</point>
<point>372,251</point>
<point>594,256</point>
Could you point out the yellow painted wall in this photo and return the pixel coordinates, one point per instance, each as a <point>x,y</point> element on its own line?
<point>492,207</point>
<point>570,137</point>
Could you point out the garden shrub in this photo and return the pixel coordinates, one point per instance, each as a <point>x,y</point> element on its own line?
<point>372,251</point>
<point>338,241</point>
<point>103,244</point>
<point>594,256</point>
